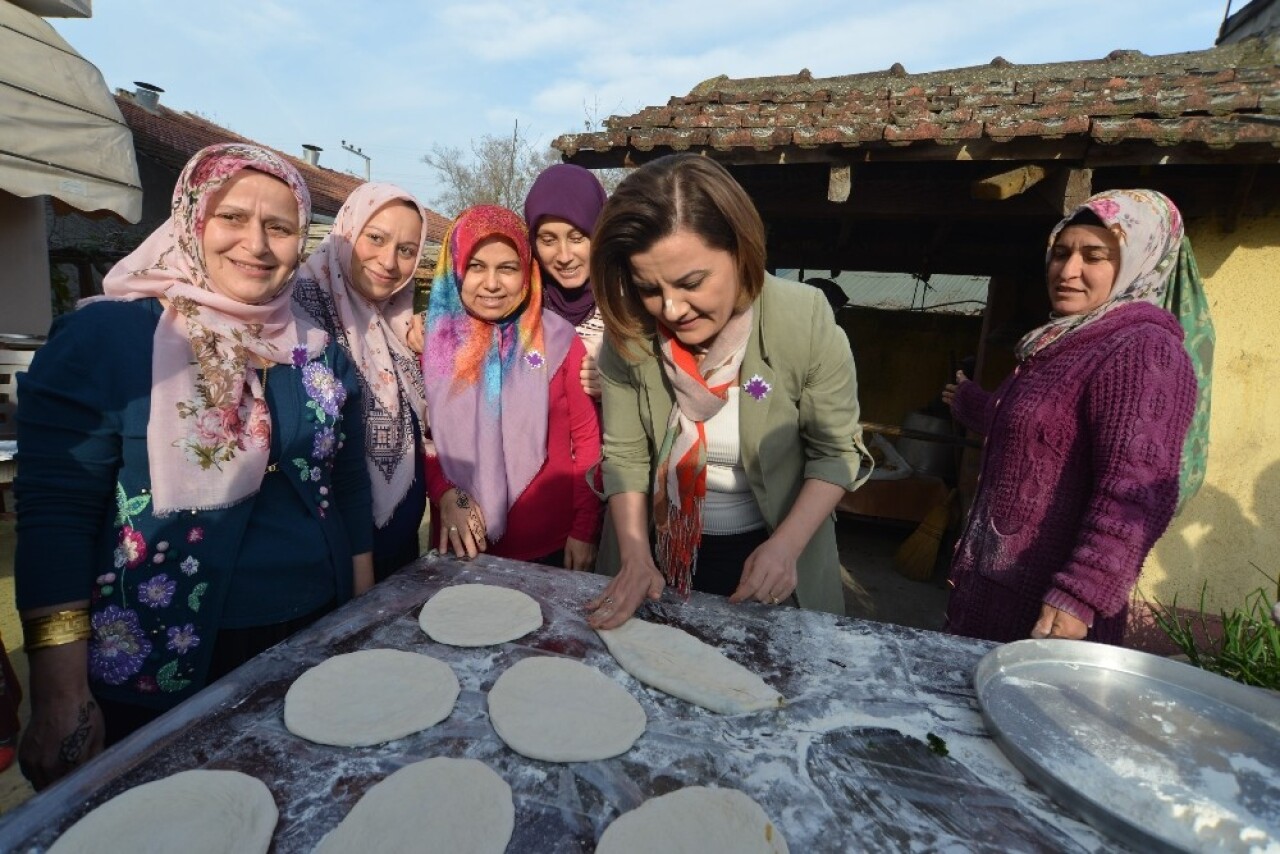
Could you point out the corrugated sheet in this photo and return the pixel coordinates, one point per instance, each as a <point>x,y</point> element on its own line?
<point>904,292</point>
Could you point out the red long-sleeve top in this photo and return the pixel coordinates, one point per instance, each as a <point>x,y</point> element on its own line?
<point>558,503</point>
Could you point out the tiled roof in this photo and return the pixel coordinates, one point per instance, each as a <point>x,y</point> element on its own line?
<point>437,226</point>
<point>1221,98</point>
<point>170,138</point>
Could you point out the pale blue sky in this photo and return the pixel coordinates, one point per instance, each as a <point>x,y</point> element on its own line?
<point>396,76</point>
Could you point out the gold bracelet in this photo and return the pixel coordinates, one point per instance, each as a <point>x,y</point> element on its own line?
<point>56,629</point>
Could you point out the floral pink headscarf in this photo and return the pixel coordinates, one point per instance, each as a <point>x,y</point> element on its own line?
<point>374,334</point>
<point>209,434</point>
<point>1149,228</point>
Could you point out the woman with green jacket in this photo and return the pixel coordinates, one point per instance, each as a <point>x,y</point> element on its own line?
<point>730,402</point>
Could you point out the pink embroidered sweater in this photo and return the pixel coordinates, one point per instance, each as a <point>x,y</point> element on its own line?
<point>1079,476</point>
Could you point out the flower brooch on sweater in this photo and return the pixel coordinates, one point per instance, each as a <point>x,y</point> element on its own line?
<point>757,387</point>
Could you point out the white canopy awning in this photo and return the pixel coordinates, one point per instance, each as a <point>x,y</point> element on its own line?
<point>61,133</point>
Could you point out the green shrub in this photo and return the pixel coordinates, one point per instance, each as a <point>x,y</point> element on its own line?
<point>1248,650</point>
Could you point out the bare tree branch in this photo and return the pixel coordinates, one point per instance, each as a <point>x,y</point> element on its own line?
<point>498,171</point>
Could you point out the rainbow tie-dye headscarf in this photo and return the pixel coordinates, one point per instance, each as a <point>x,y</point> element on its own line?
<point>487,382</point>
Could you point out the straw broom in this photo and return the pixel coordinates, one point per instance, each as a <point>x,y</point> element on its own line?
<point>916,557</point>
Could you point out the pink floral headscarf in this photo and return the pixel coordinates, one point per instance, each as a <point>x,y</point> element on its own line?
<point>374,334</point>
<point>1149,228</point>
<point>209,433</point>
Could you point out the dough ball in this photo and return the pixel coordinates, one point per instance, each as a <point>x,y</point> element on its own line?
<point>561,710</point>
<point>479,615</point>
<point>369,697</point>
<point>455,805</point>
<point>677,663</point>
<point>201,812</point>
<point>697,818</point>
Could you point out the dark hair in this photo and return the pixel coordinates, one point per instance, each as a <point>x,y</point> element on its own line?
<point>678,192</point>
<point>1085,216</point>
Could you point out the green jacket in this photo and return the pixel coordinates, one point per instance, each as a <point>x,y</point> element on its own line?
<point>806,426</point>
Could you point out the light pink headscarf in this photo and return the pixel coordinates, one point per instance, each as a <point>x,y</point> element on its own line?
<point>374,334</point>
<point>209,434</point>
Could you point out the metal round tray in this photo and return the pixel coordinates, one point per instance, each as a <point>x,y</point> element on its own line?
<point>1161,755</point>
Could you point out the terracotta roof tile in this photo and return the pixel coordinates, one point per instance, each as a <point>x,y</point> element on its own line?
<point>170,137</point>
<point>1221,97</point>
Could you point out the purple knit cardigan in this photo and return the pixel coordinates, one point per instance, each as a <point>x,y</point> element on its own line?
<point>1079,476</point>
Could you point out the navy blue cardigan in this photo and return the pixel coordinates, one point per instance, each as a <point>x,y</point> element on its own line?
<point>161,588</point>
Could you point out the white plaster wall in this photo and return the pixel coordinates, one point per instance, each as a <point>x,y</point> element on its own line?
<point>24,266</point>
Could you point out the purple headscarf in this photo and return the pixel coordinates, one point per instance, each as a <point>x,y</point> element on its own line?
<point>575,195</point>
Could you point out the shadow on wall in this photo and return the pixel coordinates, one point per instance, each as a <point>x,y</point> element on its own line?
<point>1212,524</point>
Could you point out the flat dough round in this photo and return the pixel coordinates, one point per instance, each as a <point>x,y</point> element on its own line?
<point>677,663</point>
<point>697,818</point>
<point>369,697</point>
<point>456,805</point>
<point>479,615</point>
<point>563,711</point>
<point>203,812</point>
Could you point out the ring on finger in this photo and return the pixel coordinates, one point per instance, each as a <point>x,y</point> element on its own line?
<point>453,529</point>
<point>608,600</point>
<point>773,600</point>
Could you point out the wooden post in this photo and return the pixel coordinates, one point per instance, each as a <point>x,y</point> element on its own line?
<point>839,183</point>
<point>1067,189</point>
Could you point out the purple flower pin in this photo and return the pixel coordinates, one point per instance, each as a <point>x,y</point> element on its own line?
<point>757,387</point>
<point>299,356</point>
<point>535,360</point>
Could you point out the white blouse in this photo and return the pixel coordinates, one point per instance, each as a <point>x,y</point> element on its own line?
<point>730,506</point>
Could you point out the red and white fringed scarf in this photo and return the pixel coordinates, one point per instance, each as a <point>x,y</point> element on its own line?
<point>680,483</point>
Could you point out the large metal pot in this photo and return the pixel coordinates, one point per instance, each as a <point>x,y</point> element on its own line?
<point>926,457</point>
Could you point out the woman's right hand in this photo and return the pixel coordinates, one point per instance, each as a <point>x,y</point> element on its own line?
<point>637,580</point>
<point>950,389</point>
<point>66,727</point>
<point>462,528</point>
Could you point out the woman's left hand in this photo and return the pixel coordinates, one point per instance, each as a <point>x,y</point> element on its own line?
<point>950,389</point>
<point>768,575</point>
<point>415,337</point>
<point>1054,623</point>
<point>579,554</point>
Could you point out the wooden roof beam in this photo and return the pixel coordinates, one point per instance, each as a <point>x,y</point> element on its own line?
<point>1006,185</point>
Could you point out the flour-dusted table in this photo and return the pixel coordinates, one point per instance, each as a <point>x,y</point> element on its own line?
<point>847,765</point>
